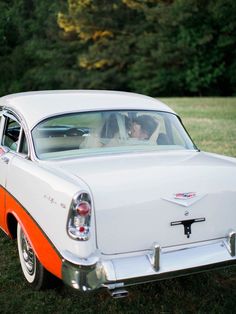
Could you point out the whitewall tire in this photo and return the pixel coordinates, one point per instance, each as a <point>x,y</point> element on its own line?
<point>34,272</point>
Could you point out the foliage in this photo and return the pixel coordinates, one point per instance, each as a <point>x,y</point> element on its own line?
<point>156,47</point>
<point>32,55</point>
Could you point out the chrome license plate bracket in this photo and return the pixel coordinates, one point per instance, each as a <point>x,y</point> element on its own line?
<point>187,224</point>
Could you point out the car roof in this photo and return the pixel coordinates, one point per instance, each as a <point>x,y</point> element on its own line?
<point>34,107</point>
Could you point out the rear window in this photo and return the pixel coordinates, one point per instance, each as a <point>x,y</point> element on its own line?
<point>89,133</point>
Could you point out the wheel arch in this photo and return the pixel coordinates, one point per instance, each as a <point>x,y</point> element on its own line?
<point>12,225</point>
<point>43,248</point>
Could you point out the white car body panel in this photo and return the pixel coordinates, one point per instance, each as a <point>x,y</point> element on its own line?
<point>49,202</point>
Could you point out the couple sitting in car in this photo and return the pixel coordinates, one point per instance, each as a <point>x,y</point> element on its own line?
<point>141,127</point>
<point>118,130</point>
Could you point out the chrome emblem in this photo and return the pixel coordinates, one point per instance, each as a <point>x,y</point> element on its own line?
<point>184,199</point>
<point>185,196</point>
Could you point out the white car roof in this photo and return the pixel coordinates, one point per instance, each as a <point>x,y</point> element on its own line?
<point>36,106</point>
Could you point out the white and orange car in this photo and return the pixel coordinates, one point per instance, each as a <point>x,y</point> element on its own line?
<point>106,190</point>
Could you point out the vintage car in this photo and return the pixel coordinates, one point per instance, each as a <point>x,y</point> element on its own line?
<point>106,190</point>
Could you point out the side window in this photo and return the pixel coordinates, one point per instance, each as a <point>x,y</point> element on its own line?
<point>11,134</point>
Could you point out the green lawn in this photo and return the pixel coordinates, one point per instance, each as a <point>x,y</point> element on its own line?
<point>211,122</point>
<point>212,125</point>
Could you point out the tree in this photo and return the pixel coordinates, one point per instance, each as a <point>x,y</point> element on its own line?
<point>157,47</point>
<point>32,55</point>
<point>182,53</point>
<point>108,31</point>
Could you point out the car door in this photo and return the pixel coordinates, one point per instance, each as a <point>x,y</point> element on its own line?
<point>10,145</point>
<point>3,169</point>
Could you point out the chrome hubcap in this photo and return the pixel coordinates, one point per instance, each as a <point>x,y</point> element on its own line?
<point>28,255</point>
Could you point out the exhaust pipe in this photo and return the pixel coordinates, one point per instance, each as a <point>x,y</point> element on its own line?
<point>118,293</point>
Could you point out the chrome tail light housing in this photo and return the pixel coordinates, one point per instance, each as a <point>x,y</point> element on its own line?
<point>78,225</point>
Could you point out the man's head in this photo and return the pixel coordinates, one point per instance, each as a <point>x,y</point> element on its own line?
<point>143,127</point>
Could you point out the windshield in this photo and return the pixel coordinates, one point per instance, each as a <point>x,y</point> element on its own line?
<point>89,133</point>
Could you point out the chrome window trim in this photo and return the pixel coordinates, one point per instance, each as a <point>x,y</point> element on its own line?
<point>1,124</point>
<point>9,113</point>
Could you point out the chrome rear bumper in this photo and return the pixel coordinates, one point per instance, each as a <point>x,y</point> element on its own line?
<point>96,272</point>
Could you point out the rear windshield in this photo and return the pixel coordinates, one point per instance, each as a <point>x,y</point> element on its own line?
<point>89,133</point>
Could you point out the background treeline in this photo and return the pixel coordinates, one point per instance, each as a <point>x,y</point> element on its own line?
<point>156,47</point>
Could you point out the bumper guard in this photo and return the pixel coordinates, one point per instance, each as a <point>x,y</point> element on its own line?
<point>97,272</point>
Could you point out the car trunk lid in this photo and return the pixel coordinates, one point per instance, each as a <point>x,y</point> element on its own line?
<point>172,198</point>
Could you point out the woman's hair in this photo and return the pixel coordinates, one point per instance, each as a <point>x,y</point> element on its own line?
<point>147,123</point>
<point>110,127</point>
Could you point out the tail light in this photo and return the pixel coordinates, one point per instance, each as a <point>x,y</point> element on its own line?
<point>78,225</point>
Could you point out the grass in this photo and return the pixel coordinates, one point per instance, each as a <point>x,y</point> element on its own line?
<point>212,125</point>
<point>211,122</point>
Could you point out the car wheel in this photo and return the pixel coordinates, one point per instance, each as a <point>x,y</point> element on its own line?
<point>34,272</point>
